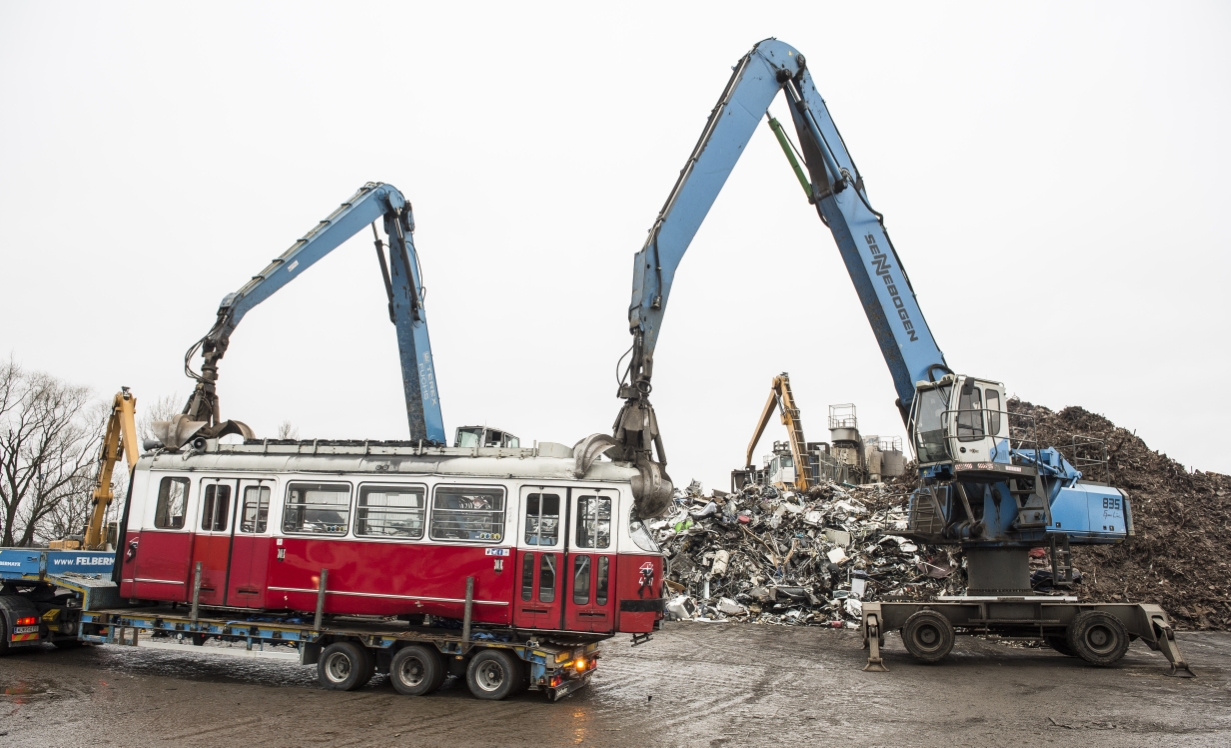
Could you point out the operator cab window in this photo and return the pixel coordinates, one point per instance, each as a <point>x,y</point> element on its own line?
<point>542,519</point>
<point>992,397</point>
<point>172,504</point>
<point>469,514</point>
<point>969,413</point>
<point>317,508</point>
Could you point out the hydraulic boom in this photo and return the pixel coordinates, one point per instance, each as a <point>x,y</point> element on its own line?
<point>403,285</point>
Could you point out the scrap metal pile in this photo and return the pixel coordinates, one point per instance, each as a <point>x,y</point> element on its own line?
<point>769,556</point>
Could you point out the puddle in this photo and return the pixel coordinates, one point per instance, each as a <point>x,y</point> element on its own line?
<point>22,690</point>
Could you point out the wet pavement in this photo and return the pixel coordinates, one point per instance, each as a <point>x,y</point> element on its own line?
<point>695,684</point>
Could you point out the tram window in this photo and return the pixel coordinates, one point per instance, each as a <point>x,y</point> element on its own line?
<point>468,513</point>
<point>390,511</point>
<point>640,535</point>
<point>216,507</point>
<point>172,502</point>
<point>547,578</point>
<point>600,587</point>
<point>527,576</point>
<point>542,519</point>
<point>256,509</point>
<point>594,522</point>
<point>317,508</point>
<point>581,579</point>
<point>993,411</point>
<point>969,414</point>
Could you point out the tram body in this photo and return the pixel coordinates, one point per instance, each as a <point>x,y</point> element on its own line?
<point>399,529</point>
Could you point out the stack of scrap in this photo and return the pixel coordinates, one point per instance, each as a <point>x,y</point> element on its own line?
<point>781,557</point>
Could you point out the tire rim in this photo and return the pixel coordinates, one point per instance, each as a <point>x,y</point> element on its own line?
<point>1101,639</point>
<point>337,667</point>
<point>489,675</point>
<point>412,672</point>
<point>928,637</point>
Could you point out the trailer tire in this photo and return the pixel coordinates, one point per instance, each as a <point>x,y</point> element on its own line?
<point>1061,645</point>
<point>416,670</point>
<point>1098,638</point>
<point>493,674</point>
<point>928,636</point>
<point>344,666</point>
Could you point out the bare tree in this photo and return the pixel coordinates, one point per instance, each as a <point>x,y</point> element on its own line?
<point>161,409</point>
<point>287,431</point>
<point>47,448</point>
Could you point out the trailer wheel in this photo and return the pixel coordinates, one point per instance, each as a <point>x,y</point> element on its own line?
<point>493,674</point>
<point>1098,638</point>
<point>416,670</point>
<point>928,636</point>
<point>1060,644</point>
<point>344,666</point>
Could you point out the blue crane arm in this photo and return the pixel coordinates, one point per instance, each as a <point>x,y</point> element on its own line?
<point>836,189</point>
<point>403,285</point>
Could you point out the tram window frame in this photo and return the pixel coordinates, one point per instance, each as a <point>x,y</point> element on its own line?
<point>590,523</point>
<point>363,512</point>
<point>291,527</point>
<point>534,534</point>
<point>259,519</point>
<point>215,506</point>
<point>169,515</point>
<point>440,515</point>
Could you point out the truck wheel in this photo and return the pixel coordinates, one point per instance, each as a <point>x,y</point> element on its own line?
<point>416,670</point>
<point>344,666</point>
<point>1098,638</point>
<point>928,636</point>
<point>493,674</point>
<point>4,638</point>
<point>1060,644</point>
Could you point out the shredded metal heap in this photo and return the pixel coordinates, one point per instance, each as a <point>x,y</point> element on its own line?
<point>766,556</point>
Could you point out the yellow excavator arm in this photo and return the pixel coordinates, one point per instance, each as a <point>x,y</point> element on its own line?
<point>781,397</point>
<point>121,429</point>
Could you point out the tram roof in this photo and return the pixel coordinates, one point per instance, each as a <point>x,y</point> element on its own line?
<point>546,460</point>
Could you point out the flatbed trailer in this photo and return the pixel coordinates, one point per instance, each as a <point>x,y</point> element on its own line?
<point>69,608</point>
<point>1096,632</point>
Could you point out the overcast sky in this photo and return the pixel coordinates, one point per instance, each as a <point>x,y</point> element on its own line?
<point>1054,176</point>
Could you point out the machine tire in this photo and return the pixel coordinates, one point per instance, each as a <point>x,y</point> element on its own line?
<point>493,674</point>
<point>928,636</point>
<point>1098,638</point>
<point>344,666</point>
<point>1061,645</point>
<point>416,670</point>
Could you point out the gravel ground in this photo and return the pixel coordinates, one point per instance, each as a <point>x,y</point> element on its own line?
<point>695,684</point>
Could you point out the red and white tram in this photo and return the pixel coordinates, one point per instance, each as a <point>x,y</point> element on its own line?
<point>399,528</point>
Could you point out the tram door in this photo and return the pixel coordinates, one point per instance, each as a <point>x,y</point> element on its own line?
<point>589,603</point>
<point>538,599</point>
<point>211,543</point>
<point>250,545</point>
